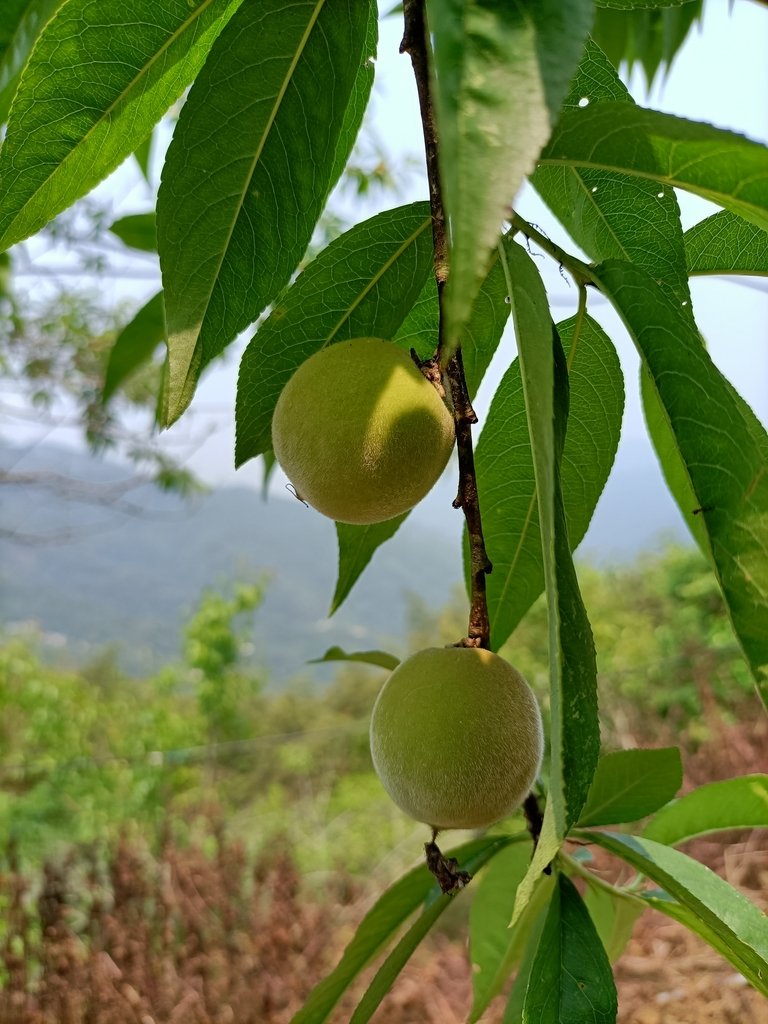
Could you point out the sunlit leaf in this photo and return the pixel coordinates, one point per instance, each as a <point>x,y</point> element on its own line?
<point>575,734</point>
<point>630,784</point>
<point>495,948</point>
<point>21,23</point>
<point>70,127</point>
<point>721,915</point>
<point>726,244</point>
<point>244,183</point>
<point>732,803</point>
<point>505,475</point>
<point>726,168</point>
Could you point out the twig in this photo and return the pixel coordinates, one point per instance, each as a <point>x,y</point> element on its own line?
<point>415,43</point>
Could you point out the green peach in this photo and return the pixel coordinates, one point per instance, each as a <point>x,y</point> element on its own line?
<point>360,433</point>
<point>456,737</point>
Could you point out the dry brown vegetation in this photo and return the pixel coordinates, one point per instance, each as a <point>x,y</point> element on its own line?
<point>185,936</point>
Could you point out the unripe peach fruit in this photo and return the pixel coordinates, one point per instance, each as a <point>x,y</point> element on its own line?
<point>456,737</point>
<point>360,433</point>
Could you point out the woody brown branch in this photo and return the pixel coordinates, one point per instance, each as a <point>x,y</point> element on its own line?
<point>415,43</point>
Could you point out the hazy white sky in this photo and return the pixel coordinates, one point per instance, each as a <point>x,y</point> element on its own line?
<point>721,77</point>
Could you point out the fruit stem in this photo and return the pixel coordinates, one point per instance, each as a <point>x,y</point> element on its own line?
<point>415,43</point>
<point>446,870</point>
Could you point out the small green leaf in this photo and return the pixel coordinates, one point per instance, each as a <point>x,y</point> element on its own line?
<point>571,980</point>
<point>137,230</point>
<point>726,244</point>
<point>733,803</point>
<point>70,127</point>
<point>724,448</point>
<point>381,659</point>
<point>385,917</point>
<point>135,345</point>
<point>630,784</point>
<point>504,466</point>
<point>721,166</point>
<point>244,184</point>
<point>363,284</point>
<point>575,734</point>
<point>728,921</point>
<point>357,545</point>
<point>614,917</point>
<point>494,64</point>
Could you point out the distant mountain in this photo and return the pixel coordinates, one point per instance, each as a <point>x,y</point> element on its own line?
<point>127,573</point>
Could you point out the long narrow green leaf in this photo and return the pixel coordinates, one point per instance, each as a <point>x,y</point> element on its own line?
<point>733,803</point>
<point>504,467</point>
<point>741,928</point>
<point>495,948</point>
<point>363,284</point>
<point>575,735</point>
<point>571,980</point>
<point>386,916</point>
<point>726,244</point>
<point>244,182</point>
<point>21,23</point>
<point>721,166</point>
<point>70,127</point>
<point>611,214</point>
<point>630,784</point>
<point>397,959</point>
<point>135,345</point>
<point>494,64</point>
<point>723,447</point>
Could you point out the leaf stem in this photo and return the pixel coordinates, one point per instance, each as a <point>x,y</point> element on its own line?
<point>580,271</point>
<point>620,892</point>
<point>415,43</point>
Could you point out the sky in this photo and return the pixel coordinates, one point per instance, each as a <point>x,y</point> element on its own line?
<point>721,76</point>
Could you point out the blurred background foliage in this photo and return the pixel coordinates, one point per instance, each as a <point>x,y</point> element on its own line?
<point>87,752</point>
